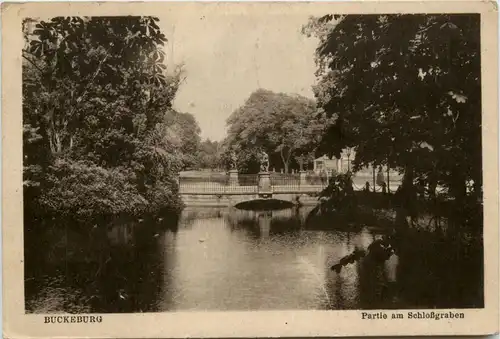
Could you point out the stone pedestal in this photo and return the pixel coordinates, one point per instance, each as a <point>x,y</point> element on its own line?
<point>233,177</point>
<point>264,182</point>
<point>303,178</point>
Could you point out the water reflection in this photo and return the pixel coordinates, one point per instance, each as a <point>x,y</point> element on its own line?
<point>217,259</point>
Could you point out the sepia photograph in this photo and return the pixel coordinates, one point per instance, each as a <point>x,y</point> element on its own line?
<point>205,160</point>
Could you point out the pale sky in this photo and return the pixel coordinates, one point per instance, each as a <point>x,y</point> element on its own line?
<point>227,57</point>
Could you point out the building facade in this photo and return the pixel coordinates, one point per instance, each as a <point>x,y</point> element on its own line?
<point>344,164</point>
<point>336,165</point>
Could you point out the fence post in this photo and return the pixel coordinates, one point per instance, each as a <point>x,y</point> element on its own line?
<point>303,178</point>
<point>233,177</point>
<point>264,185</point>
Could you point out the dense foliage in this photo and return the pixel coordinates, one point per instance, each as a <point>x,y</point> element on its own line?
<point>287,127</point>
<point>405,91</point>
<point>209,155</point>
<point>184,133</point>
<point>339,195</point>
<point>95,94</point>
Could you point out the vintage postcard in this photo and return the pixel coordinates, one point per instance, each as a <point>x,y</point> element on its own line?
<point>184,169</point>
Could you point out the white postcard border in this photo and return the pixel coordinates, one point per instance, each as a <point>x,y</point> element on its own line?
<point>236,324</point>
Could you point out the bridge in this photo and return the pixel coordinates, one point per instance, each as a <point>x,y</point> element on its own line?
<point>232,189</point>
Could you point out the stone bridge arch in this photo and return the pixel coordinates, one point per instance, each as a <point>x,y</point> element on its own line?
<point>261,192</point>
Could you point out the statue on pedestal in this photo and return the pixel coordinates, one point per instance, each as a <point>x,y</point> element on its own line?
<point>233,160</point>
<point>264,162</point>
<point>301,163</point>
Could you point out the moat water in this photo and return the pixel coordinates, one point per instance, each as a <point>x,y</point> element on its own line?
<point>228,259</point>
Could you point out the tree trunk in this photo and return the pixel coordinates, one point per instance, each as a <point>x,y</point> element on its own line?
<point>286,160</point>
<point>458,191</point>
<point>50,139</point>
<point>374,181</point>
<point>408,177</point>
<point>432,188</point>
<point>285,166</point>
<point>406,209</point>
<point>388,179</point>
<point>47,149</point>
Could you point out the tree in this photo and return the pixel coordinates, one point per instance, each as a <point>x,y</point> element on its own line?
<point>209,155</point>
<point>184,132</point>
<point>405,91</point>
<point>95,92</point>
<point>281,124</point>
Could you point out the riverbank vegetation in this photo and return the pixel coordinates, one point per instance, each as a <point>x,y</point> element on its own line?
<point>419,108</point>
<point>410,99</point>
<point>341,207</point>
<point>97,105</point>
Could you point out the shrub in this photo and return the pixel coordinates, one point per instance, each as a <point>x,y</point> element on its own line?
<point>84,189</point>
<point>339,194</point>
